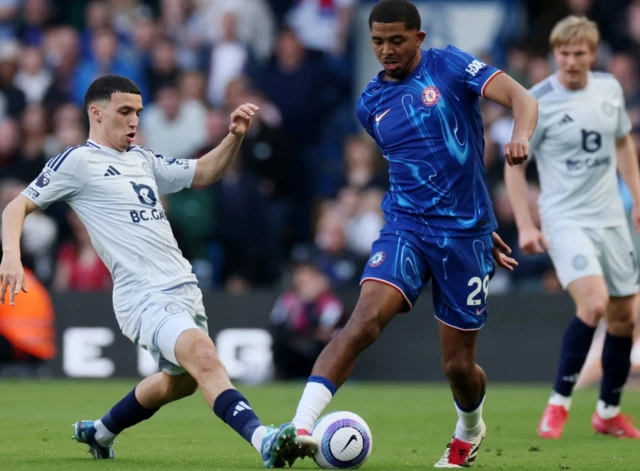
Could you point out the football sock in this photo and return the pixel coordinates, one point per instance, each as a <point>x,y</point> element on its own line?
<point>256,438</point>
<point>234,410</point>
<point>560,400</point>
<point>616,364</point>
<point>317,394</point>
<point>126,413</point>
<point>575,347</point>
<point>469,423</point>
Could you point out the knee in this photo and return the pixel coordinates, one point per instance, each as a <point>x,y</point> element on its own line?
<point>593,311</point>
<point>621,325</point>
<point>458,367</point>
<point>205,360</point>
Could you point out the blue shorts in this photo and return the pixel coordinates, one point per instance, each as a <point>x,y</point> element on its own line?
<point>461,268</point>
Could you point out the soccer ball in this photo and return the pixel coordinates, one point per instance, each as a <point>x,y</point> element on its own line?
<point>344,440</point>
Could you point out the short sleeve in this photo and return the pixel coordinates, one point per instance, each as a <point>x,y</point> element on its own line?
<point>60,180</point>
<point>172,175</point>
<point>624,122</point>
<point>475,74</point>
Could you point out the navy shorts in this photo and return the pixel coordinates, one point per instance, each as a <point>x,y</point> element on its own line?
<point>460,267</point>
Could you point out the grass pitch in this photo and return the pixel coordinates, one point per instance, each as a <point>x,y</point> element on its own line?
<point>411,425</point>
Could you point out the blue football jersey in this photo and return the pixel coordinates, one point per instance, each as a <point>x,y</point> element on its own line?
<point>429,128</point>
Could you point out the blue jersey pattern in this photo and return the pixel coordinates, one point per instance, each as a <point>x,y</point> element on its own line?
<point>429,128</point>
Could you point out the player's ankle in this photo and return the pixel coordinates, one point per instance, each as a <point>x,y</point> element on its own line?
<point>606,411</point>
<point>103,435</point>
<point>469,435</point>
<point>557,399</point>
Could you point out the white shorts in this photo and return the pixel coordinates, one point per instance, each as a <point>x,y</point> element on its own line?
<point>156,322</point>
<point>578,252</point>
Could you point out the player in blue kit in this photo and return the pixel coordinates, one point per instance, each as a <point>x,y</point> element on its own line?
<point>423,112</point>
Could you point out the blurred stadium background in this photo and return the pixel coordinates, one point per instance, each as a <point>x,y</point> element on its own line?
<point>279,243</point>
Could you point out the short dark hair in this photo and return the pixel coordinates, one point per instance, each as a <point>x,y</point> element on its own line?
<point>396,11</point>
<point>102,88</point>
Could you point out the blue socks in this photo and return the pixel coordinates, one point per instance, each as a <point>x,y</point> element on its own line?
<point>616,364</point>
<point>126,413</point>
<point>234,410</point>
<point>575,347</point>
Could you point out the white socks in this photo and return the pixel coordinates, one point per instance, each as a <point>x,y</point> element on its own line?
<point>605,411</point>
<point>314,399</point>
<point>560,400</point>
<point>103,436</point>
<point>469,424</point>
<point>256,438</point>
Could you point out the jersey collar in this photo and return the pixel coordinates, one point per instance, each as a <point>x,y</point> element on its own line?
<point>557,86</point>
<point>109,150</point>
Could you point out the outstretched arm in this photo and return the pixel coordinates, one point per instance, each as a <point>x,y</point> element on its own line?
<point>11,271</point>
<point>510,94</point>
<point>210,166</point>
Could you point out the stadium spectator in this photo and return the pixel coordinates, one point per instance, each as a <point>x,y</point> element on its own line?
<point>105,61</point>
<point>624,68</point>
<point>27,331</point>
<point>365,219</point>
<point>306,92</point>
<point>163,69</point>
<point>98,17</point>
<point>323,25</point>
<point>33,78</point>
<point>239,205</point>
<point>255,24</point>
<point>68,130</point>
<point>227,59</point>
<point>193,86</point>
<point>36,18</point>
<point>8,16</point>
<point>184,22</point>
<point>364,167</point>
<point>330,252</point>
<point>79,267</point>
<point>12,99</point>
<point>34,137</point>
<point>61,51</point>
<point>304,319</point>
<point>171,116</point>
<point>11,160</point>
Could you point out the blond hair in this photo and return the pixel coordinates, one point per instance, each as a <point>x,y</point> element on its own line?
<point>575,29</point>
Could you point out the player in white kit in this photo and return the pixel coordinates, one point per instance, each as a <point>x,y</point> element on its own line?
<point>581,141</point>
<point>115,187</point>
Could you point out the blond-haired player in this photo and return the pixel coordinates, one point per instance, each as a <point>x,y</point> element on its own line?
<point>581,140</point>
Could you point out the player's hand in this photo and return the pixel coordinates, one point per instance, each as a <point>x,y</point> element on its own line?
<point>241,119</point>
<point>635,215</point>
<point>501,252</point>
<point>532,241</point>
<point>516,151</point>
<point>11,276</point>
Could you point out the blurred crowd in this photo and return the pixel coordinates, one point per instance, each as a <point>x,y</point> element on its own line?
<point>305,190</point>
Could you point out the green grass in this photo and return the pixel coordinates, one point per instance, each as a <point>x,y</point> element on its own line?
<point>411,425</point>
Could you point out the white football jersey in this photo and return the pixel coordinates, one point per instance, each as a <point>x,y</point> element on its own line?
<point>116,195</point>
<point>574,147</point>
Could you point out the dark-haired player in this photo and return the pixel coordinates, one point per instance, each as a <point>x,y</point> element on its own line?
<point>422,110</point>
<point>114,187</point>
